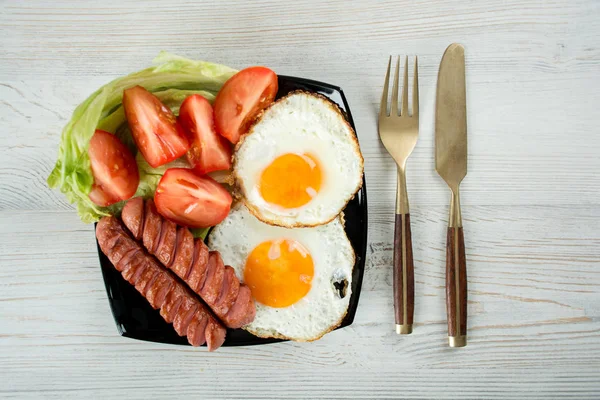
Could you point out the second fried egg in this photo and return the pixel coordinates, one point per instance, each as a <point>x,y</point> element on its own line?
<point>300,278</point>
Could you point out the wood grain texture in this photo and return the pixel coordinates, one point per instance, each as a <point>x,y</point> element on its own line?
<point>404,304</point>
<point>456,282</point>
<point>530,202</point>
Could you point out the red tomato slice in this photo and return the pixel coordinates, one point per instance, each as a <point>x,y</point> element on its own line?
<point>241,98</point>
<point>115,171</point>
<point>191,200</point>
<point>209,151</point>
<point>154,127</point>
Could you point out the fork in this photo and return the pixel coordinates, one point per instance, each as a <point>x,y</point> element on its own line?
<point>398,131</point>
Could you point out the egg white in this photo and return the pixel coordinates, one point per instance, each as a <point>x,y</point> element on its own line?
<point>322,308</point>
<point>300,123</point>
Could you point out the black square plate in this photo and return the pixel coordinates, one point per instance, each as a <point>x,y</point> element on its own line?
<point>136,319</point>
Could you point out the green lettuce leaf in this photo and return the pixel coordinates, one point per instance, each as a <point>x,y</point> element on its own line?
<point>200,232</point>
<point>172,79</point>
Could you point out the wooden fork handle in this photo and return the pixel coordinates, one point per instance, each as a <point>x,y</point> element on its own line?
<point>456,287</point>
<point>404,283</point>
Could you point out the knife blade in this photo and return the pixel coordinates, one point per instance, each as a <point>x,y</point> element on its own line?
<point>451,165</point>
<point>451,117</point>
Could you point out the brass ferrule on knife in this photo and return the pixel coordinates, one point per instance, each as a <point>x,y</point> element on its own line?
<point>455,217</point>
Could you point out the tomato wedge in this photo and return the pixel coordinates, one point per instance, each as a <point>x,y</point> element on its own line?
<point>116,175</point>
<point>154,127</point>
<point>240,100</point>
<point>209,151</point>
<point>191,200</point>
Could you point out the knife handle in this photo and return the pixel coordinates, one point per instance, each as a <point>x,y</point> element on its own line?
<point>404,283</point>
<point>456,287</point>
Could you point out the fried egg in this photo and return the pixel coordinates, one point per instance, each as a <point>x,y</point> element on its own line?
<point>300,163</point>
<point>300,278</point>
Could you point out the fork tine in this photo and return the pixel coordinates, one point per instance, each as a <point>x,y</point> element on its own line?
<point>384,95</point>
<point>415,106</point>
<point>394,108</point>
<point>405,90</point>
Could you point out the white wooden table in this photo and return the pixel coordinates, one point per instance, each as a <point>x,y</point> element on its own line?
<point>531,200</point>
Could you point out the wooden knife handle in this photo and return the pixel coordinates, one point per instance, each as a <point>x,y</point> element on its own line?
<point>404,281</point>
<point>456,287</point>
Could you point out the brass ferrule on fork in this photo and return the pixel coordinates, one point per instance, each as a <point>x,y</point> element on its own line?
<point>401,193</point>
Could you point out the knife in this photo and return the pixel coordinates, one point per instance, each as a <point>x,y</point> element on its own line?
<point>451,165</point>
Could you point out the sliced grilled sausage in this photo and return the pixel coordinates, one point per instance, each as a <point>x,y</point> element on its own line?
<point>158,291</point>
<point>197,274</point>
<point>135,266</point>
<point>176,303</point>
<point>165,250</point>
<point>196,329</point>
<point>214,335</point>
<point>146,277</point>
<point>171,306</point>
<point>229,292</point>
<point>183,253</point>
<point>152,227</point>
<point>190,260</point>
<point>214,278</point>
<point>132,254</point>
<point>243,310</point>
<point>134,217</point>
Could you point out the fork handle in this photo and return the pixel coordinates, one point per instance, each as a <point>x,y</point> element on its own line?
<point>404,283</point>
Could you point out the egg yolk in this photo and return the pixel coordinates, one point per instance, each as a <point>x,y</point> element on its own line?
<point>279,272</point>
<point>291,180</point>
